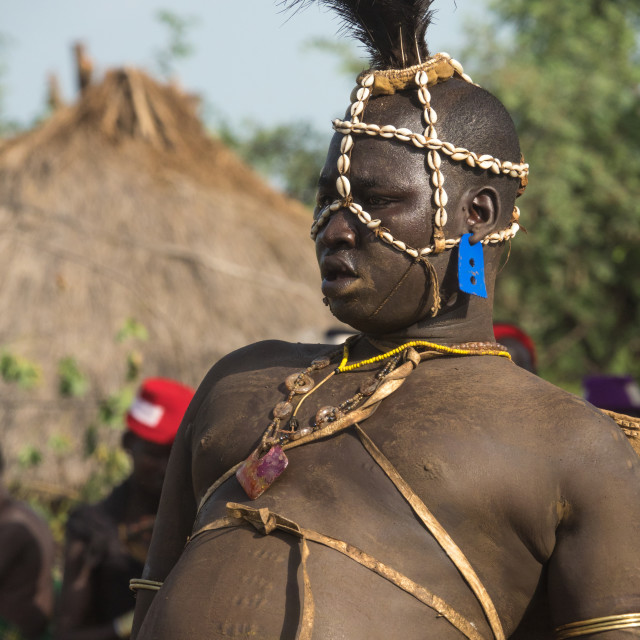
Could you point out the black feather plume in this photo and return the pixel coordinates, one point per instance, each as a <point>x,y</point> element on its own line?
<point>393,31</point>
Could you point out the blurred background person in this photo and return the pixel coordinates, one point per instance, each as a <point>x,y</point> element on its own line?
<point>26,562</point>
<point>107,543</point>
<point>518,344</point>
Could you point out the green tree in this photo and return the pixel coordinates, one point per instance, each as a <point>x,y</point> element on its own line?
<point>109,463</point>
<point>349,63</point>
<point>569,74</point>
<point>179,46</point>
<point>289,155</point>
<point>3,70</point>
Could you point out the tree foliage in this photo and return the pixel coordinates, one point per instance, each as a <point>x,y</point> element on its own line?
<point>570,76</point>
<point>179,46</point>
<point>98,443</point>
<point>349,63</point>
<point>289,155</point>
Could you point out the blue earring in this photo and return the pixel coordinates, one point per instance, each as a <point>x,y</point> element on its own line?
<point>471,267</point>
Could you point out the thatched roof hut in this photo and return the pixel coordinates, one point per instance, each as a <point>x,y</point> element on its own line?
<point>121,206</point>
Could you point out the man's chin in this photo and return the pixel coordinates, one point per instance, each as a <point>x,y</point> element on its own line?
<point>352,312</point>
<point>370,319</point>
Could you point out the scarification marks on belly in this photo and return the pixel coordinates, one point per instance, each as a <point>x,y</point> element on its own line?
<point>264,553</point>
<point>254,601</point>
<point>255,589</point>
<point>229,629</point>
<point>252,598</point>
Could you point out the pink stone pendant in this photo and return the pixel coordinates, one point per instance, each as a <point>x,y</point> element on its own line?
<point>257,474</point>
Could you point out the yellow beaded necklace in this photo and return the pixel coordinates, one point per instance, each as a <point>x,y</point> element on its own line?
<point>268,460</point>
<point>440,348</point>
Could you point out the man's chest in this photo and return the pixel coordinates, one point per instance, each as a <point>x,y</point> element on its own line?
<point>436,438</point>
<point>242,410</point>
<point>454,460</point>
<point>456,464</point>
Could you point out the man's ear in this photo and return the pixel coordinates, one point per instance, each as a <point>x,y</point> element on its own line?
<point>483,213</point>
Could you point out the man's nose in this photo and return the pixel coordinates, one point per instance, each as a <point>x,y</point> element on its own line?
<point>339,230</point>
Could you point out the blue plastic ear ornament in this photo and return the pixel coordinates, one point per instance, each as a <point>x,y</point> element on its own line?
<point>471,267</point>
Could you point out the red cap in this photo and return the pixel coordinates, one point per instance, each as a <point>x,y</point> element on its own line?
<point>157,411</point>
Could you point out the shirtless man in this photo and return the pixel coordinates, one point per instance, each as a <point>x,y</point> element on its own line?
<point>479,501</point>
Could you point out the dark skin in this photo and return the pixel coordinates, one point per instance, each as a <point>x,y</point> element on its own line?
<point>26,552</point>
<point>77,606</point>
<point>535,486</point>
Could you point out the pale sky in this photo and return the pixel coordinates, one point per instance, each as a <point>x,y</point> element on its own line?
<point>249,59</point>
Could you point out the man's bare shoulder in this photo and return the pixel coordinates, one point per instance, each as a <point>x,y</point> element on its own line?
<point>569,427</point>
<point>551,419</point>
<point>263,355</point>
<point>254,362</point>
<point>558,408</point>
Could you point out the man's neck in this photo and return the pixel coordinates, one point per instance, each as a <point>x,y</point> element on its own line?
<point>454,326</point>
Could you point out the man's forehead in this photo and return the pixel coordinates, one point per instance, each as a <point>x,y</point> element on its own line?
<point>376,161</point>
<point>368,173</point>
<point>399,110</point>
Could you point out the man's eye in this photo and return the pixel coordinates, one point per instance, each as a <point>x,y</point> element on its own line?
<point>377,201</point>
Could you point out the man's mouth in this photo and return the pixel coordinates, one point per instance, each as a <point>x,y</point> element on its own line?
<point>337,275</point>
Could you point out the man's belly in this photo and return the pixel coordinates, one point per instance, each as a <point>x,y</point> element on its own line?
<point>240,583</point>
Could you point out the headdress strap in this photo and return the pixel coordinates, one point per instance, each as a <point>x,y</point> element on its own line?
<point>439,68</point>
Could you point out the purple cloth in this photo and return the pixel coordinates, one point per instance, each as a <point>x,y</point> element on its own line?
<point>615,393</point>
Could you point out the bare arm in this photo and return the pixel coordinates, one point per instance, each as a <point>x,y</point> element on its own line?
<point>173,524</point>
<point>18,603</point>
<point>178,505</point>
<point>75,603</point>
<point>13,540</point>
<point>595,568</point>
<point>177,509</point>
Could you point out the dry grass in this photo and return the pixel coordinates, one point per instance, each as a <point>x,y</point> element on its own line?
<point>121,206</point>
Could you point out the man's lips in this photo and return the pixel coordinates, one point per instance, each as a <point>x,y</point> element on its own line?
<point>337,273</point>
<point>335,267</point>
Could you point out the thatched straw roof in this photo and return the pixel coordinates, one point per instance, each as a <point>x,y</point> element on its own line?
<point>121,206</point>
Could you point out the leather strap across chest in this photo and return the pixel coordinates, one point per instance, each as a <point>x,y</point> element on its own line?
<point>267,521</point>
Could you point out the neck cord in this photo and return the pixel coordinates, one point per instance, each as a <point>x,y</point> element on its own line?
<point>458,350</point>
<point>268,460</point>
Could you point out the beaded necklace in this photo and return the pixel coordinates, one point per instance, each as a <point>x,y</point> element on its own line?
<point>268,460</point>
